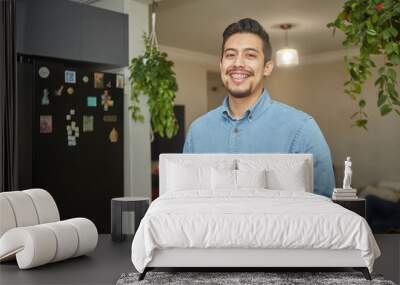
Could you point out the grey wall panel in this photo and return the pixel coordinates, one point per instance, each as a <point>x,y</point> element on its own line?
<point>104,36</point>
<point>73,31</point>
<point>52,28</point>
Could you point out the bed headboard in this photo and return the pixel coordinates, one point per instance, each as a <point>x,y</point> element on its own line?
<point>234,159</point>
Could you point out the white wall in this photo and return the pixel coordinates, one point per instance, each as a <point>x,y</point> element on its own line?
<point>216,91</point>
<point>192,90</point>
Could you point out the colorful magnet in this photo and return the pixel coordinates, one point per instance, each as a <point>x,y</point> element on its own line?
<point>45,98</point>
<point>109,84</point>
<point>106,100</point>
<point>91,101</point>
<point>85,79</point>
<point>110,118</point>
<point>46,124</point>
<point>72,129</point>
<point>70,76</point>
<point>44,72</point>
<point>70,90</point>
<point>120,81</point>
<point>98,80</point>
<point>58,92</point>
<point>88,122</point>
<point>113,136</point>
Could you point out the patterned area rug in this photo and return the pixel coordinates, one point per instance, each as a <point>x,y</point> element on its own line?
<point>244,278</point>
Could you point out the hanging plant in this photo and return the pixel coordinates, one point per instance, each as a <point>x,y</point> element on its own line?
<point>151,74</point>
<point>373,26</point>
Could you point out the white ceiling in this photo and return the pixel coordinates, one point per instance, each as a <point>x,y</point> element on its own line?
<point>197,25</point>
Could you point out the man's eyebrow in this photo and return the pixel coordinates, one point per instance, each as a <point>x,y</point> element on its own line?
<point>246,49</point>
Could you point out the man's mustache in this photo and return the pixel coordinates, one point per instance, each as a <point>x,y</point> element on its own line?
<point>231,70</point>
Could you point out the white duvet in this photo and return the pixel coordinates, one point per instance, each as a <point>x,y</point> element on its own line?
<point>250,219</point>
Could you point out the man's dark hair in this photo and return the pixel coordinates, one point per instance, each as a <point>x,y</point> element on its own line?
<point>251,26</point>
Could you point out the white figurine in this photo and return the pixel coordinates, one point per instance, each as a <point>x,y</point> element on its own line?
<point>347,174</point>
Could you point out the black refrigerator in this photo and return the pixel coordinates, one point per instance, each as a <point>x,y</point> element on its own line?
<point>74,140</point>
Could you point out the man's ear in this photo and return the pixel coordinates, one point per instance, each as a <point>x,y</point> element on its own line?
<point>268,67</point>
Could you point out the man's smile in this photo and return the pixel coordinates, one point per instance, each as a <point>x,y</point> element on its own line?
<point>239,76</point>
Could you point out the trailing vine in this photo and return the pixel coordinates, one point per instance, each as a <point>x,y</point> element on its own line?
<point>152,75</point>
<point>373,26</point>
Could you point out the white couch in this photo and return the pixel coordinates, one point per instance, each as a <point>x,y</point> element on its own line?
<point>31,230</point>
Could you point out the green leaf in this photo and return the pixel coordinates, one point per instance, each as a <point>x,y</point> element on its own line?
<point>385,109</point>
<point>381,98</point>
<point>362,103</point>
<point>393,31</point>
<point>394,59</point>
<point>361,123</point>
<point>392,74</point>
<point>355,114</point>
<point>371,32</point>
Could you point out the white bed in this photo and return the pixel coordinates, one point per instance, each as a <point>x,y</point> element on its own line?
<point>247,210</point>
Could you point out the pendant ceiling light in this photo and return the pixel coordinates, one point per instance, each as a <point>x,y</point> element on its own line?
<point>286,56</point>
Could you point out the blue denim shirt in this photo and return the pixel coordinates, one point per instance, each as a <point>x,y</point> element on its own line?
<point>267,127</point>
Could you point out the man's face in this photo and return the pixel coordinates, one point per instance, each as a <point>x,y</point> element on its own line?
<point>242,65</point>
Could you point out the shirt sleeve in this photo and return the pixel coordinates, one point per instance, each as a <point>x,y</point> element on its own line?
<point>310,139</point>
<point>188,146</point>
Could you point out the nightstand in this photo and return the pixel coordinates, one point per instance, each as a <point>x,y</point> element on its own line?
<point>139,205</point>
<point>358,205</point>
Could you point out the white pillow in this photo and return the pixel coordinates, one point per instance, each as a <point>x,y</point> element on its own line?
<point>251,178</point>
<point>223,179</point>
<point>188,177</point>
<point>281,174</point>
<point>292,178</point>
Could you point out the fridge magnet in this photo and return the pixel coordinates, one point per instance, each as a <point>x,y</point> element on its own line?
<point>46,124</point>
<point>45,98</point>
<point>113,136</point>
<point>119,81</point>
<point>58,92</point>
<point>70,90</point>
<point>44,72</point>
<point>85,79</point>
<point>106,100</point>
<point>110,118</point>
<point>109,84</point>
<point>91,101</point>
<point>70,76</point>
<point>72,129</point>
<point>88,123</point>
<point>98,80</point>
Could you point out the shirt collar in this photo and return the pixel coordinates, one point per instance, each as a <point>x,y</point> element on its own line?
<point>256,110</point>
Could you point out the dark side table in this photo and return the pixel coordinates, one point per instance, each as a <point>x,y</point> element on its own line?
<point>139,205</point>
<point>358,205</point>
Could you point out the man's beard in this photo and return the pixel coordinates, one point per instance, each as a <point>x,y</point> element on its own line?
<point>238,93</point>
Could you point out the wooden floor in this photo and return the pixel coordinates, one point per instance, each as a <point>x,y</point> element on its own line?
<point>106,264</point>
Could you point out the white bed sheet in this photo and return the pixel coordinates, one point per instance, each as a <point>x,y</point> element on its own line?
<point>251,218</point>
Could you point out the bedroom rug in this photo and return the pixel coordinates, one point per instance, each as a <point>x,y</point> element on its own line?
<point>244,278</point>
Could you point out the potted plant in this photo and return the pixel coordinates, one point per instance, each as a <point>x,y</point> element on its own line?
<point>373,26</point>
<point>151,74</point>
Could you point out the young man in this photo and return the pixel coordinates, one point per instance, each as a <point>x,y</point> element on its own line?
<point>249,121</point>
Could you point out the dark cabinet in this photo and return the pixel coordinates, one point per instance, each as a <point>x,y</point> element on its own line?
<point>73,31</point>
